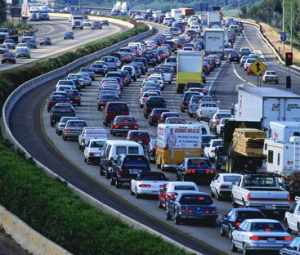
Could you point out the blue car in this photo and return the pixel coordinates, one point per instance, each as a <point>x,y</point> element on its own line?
<point>293,248</point>
<point>192,206</point>
<point>68,35</point>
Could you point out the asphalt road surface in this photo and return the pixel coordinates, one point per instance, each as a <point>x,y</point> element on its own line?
<point>55,29</point>
<point>65,159</point>
<point>9,247</point>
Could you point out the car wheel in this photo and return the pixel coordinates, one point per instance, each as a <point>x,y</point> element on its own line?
<point>168,215</point>
<point>230,234</point>
<point>177,220</point>
<point>233,247</point>
<point>118,184</point>
<point>218,197</point>
<point>222,231</point>
<point>160,205</point>
<point>137,195</point>
<point>112,182</point>
<point>101,172</point>
<point>107,175</point>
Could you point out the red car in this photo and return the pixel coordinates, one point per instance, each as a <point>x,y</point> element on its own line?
<point>122,124</point>
<point>139,136</point>
<point>113,109</point>
<point>75,97</point>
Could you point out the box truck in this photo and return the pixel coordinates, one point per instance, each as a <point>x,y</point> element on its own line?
<point>177,141</point>
<point>176,13</point>
<point>265,104</point>
<point>189,69</point>
<point>214,39</point>
<point>214,18</point>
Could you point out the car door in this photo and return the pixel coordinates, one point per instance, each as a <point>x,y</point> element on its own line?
<point>213,184</point>
<point>294,214</point>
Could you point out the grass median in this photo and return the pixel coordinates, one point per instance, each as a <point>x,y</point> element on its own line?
<point>48,205</point>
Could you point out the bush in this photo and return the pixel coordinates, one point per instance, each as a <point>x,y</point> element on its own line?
<point>66,219</point>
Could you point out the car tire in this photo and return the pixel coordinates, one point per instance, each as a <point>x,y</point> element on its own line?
<point>178,220</point>
<point>107,175</point>
<point>222,231</point>
<point>137,195</point>
<point>118,184</point>
<point>168,215</point>
<point>112,182</point>
<point>234,204</point>
<point>160,205</point>
<point>218,197</point>
<point>233,247</point>
<point>101,172</point>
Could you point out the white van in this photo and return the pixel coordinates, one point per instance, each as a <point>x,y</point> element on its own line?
<point>114,148</point>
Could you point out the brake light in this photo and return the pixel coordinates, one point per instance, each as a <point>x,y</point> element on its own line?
<point>287,238</point>
<point>224,187</point>
<point>255,238</point>
<point>136,126</point>
<point>191,171</point>
<point>290,199</point>
<point>248,196</point>
<point>145,186</point>
<point>115,126</point>
<point>172,195</point>
<point>237,224</point>
<point>209,171</point>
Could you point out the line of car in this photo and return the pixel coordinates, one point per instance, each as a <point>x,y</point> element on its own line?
<point>127,162</point>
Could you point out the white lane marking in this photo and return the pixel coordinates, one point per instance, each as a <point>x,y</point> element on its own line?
<point>240,77</point>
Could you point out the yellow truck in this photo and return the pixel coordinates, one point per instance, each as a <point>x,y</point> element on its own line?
<point>177,141</point>
<point>189,69</point>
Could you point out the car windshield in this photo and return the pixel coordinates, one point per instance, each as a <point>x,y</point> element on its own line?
<point>63,109</point>
<point>260,181</point>
<point>97,144</point>
<point>217,143</point>
<point>194,163</point>
<point>266,227</point>
<point>232,178</point>
<point>156,101</point>
<point>195,200</point>
<point>118,107</point>
<point>125,119</point>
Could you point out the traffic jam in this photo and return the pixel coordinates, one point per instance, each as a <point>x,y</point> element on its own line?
<point>157,130</point>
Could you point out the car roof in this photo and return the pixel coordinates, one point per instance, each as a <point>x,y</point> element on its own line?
<point>123,142</point>
<point>262,221</point>
<point>180,183</point>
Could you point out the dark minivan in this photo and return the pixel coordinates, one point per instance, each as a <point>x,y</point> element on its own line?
<point>153,102</point>
<point>113,109</point>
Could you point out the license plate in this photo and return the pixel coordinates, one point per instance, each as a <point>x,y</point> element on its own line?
<point>269,207</point>
<point>126,127</point>
<point>134,171</point>
<point>271,239</point>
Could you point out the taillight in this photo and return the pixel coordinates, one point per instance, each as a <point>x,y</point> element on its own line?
<point>287,238</point>
<point>191,171</point>
<point>224,187</point>
<point>136,126</point>
<point>255,238</point>
<point>115,126</point>
<point>145,186</point>
<point>248,196</point>
<point>290,198</point>
<point>209,171</point>
<point>237,224</point>
<point>172,195</point>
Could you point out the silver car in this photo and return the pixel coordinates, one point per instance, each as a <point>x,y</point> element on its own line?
<point>23,52</point>
<point>73,129</point>
<point>62,123</point>
<point>260,235</point>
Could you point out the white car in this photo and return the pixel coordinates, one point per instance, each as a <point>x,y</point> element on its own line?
<point>210,151</point>
<point>221,185</point>
<point>248,63</point>
<point>260,235</point>
<point>147,183</point>
<point>292,217</point>
<point>93,150</point>
<point>158,78</point>
<point>206,110</point>
<point>270,77</point>
<point>91,133</point>
<point>221,125</point>
<point>145,96</point>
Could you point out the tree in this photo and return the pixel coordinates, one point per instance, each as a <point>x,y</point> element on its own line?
<point>2,10</point>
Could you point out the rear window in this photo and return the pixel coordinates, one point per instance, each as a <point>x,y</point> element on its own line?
<point>233,179</point>
<point>97,144</point>
<point>184,187</point>
<point>196,199</point>
<point>198,163</point>
<point>156,101</point>
<point>76,124</point>
<point>62,109</point>
<point>267,227</point>
<point>133,150</point>
<point>250,215</point>
<point>136,162</point>
<point>153,176</point>
<point>117,107</point>
<point>260,181</point>
<point>121,150</point>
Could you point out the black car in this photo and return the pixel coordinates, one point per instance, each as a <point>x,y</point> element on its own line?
<point>153,102</point>
<point>234,57</point>
<point>103,99</point>
<point>186,99</point>
<point>198,169</point>
<point>196,206</point>
<point>127,167</point>
<point>54,99</point>
<point>293,248</point>
<point>235,217</point>
<point>46,41</point>
<point>99,68</point>
<point>59,110</point>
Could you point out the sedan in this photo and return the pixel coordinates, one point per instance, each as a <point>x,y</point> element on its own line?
<point>270,77</point>
<point>233,219</point>
<point>122,124</point>
<point>221,185</point>
<point>196,206</point>
<point>93,150</point>
<point>68,35</point>
<point>46,41</point>
<point>260,235</point>
<point>196,169</point>
<point>293,248</point>
<point>147,183</point>
<point>8,57</point>
<point>73,129</point>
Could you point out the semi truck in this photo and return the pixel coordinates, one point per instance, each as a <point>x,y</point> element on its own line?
<point>214,39</point>
<point>177,141</point>
<point>189,69</point>
<point>266,104</point>
<point>77,21</point>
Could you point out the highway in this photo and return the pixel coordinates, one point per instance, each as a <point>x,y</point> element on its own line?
<point>65,159</point>
<point>55,29</point>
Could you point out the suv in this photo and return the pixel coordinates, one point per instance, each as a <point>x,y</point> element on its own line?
<point>59,110</point>
<point>153,102</point>
<point>127,167</point>
<point>113,109</point>
<point>155,115</point>
<point>139,136</point>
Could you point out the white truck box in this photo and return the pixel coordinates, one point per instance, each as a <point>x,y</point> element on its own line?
<point>265,104</point>
<point>176,13</point>
<point>179,136</point>
<point>282,158</point>
<point>214,40</point>
<point>281,131</point>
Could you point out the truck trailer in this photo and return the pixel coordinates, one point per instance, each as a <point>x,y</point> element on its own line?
<point>214,40</point>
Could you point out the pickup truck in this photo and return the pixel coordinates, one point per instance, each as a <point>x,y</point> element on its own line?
<point>260,191</point>
<point>206,110</point>
<point>209,151</point>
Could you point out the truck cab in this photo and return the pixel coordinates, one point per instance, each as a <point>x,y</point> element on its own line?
<point>77,22</point>
<point>292,216</point>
